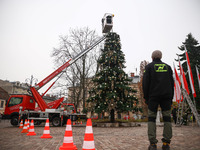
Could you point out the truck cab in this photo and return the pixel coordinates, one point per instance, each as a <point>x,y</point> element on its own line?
<point>26,102</point>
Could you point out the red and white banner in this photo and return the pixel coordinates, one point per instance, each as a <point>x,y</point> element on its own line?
<point>177,88</point>
<point>198,76</point>
<point>190,75</point>
<point>183,78</point>
<point>175,94</point>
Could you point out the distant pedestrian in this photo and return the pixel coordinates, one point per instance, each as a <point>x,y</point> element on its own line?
<point>158,88</point>
<point>174,111</point>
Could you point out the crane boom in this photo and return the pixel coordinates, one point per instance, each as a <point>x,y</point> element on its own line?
<point>107,26</point>
<point>68,63</point>
<point>52,75</point>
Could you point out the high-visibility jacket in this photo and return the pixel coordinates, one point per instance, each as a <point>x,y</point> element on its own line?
<point>158,81</point>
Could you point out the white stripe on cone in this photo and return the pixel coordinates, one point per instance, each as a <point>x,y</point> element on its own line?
<point>25,126</point>
<point>28,124</point>
<point>88,145</point>
<point>46,132</point>
<point>21,123</point>
<point>31,130</point>
<point>68,128</point>
<point>68,140</point>
<point>88,129</point>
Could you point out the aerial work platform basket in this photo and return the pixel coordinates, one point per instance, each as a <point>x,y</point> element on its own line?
<point>107,23</point>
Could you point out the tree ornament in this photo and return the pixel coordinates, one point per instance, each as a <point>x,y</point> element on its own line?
<point>126,93</point>
<point>112,84</point>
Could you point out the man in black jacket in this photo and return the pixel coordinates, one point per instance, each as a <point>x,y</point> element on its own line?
<point>158,88</point>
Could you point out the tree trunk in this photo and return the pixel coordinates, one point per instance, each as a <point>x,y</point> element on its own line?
<point>112,116</point>
<point>99,115</point>
<point>83,78</point>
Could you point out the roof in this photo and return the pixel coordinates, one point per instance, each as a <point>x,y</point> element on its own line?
<point>135,79</point>
<point>3,94</point>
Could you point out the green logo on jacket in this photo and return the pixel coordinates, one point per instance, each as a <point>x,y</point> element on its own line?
<point>160,68</point>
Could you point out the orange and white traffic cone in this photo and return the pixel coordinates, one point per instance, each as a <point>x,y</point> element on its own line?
<point>88,143</point>
<point>21,124</point>
<point>28,124</point>
<point>31,129</point>
<point>68,139</point>
<point>46,133</point>
<point>25,130</point>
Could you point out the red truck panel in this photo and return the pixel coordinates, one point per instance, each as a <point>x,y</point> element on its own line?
<point>15,101</point>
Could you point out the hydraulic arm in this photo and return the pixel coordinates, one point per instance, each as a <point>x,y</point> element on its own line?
<point>107,26</point>
<point>42,104</point>
<point>68,63</point>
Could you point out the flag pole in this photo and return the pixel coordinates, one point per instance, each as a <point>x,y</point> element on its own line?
<point>190,78</point>
<point>190,75</point>
<point>198,76</point>
<point>182,110</point>
<point>178,120</point>
<point>194,101</point>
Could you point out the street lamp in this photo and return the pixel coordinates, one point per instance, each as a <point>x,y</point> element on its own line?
<point>31,80</point>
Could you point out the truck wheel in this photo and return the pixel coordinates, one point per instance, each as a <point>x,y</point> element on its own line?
<point>14,120</point>
<point>56,121</point>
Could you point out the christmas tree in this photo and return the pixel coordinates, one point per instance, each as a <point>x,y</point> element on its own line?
<point>111,92</point>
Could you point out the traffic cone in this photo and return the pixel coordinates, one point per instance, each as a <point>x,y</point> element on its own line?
<point>74,123</point>
<point>88,143</point>
<point>28,124</point>
<point>31,129</point>
<point>68,139</point>
<point>25,130</point>
<point>21,124</point>
<point>46,133</point>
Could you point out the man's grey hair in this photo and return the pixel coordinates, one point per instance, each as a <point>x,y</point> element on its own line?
<point>156,54</point>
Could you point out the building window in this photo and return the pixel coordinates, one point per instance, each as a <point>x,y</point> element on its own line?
<point>2,104</point>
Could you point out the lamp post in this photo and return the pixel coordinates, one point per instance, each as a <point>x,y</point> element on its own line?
<point>31,80</point>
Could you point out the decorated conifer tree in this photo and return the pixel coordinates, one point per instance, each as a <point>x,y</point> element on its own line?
<point>111,92</point>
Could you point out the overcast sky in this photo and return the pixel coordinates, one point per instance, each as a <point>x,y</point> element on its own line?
<point>29,29</point>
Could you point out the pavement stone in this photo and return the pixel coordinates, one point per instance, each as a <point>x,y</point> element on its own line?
<point>122,138</point>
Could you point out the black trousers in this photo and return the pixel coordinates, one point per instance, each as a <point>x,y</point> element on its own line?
<point>165,105</point>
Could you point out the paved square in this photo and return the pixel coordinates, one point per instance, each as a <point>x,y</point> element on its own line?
<point>126,138</point>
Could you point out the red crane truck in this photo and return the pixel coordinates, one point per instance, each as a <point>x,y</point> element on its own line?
<point>23,106</point>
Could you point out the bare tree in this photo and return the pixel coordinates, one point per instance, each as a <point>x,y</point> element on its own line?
<point>75,75</point>
<point>142,69</point>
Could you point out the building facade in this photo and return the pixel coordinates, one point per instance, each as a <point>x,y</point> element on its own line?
<point>75,96</point>
<point>14,87</point>
<point>3,97</point>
